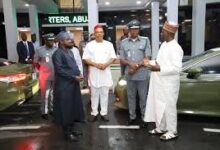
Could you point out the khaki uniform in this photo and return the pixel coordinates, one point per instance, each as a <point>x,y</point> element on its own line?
<point>43,57</point>
<point>135,51</point>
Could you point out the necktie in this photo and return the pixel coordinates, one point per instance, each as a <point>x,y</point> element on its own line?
<point>28,53</point>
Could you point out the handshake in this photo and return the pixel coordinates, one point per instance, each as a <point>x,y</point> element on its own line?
<point>151,65</point>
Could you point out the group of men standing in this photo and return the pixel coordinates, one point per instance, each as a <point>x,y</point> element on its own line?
<point>61,70</point>
<point>158,103</point>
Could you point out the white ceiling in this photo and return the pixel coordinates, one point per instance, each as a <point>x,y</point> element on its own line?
<point>45,6</point>
<point>121,4</point>
<point>48,6</point>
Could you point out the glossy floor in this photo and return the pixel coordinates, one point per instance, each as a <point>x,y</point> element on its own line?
<point>21,128</point>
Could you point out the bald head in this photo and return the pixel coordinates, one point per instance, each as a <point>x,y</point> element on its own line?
<point>23,36</point>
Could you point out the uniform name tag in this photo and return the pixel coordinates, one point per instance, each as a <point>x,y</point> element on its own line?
<point>129,54</point>
<point>47,59</point>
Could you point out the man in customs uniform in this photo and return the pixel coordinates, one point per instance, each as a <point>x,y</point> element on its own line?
<point>134,50</point>
<point>43,59</point>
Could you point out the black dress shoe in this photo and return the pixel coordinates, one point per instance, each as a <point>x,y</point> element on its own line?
<point>105,118</point>
<point>92,118</point>
<point>130,122</point>
<point>71,137</point>
<point>45,116</point>
<point>77,132</point>
<point>143,124</point>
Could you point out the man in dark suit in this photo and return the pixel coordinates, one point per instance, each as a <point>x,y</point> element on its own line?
<point>25,50</point>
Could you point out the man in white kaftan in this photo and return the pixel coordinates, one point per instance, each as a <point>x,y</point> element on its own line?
<point>164,85</point>
<point>77,56</point>
<point>99,54</point>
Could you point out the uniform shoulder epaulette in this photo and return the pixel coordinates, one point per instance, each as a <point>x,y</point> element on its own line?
<point>40,47</point>
<point>143,37</point>
<point>125,39</point>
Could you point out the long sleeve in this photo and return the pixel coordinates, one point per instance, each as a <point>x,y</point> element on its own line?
<point>171,64</point>
<point>78,59</point>
<point>63,69</point>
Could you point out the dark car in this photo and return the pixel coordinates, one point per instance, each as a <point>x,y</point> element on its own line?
<point>199,86</point>
<point>18,82</point>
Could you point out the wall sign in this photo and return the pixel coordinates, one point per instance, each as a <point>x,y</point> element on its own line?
<point>65,19</point>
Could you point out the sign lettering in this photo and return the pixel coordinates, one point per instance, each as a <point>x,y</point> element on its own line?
<point>66,19</point>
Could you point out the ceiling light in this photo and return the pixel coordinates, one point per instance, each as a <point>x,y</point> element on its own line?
<point>26,5</point>
<point>138,2</point>
<point>107,3</point>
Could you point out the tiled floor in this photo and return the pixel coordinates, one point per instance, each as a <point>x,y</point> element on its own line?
<point>43,135</point>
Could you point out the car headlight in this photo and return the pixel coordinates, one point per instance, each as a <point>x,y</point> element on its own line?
<point>122,82</point>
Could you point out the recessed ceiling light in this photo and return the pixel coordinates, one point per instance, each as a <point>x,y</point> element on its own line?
<point>26,5</point>
<point>138,2</point>
<point>107,3</point>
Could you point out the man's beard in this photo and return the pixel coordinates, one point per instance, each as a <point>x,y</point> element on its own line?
<point>68,46</point>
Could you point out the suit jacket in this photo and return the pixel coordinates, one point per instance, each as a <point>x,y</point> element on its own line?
<point>22,51</point>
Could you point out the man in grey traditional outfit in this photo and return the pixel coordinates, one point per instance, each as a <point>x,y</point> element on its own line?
<point>68,107</point>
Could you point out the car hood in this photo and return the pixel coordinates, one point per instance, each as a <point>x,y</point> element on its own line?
<point>198,58</point>
<point>15,68</point>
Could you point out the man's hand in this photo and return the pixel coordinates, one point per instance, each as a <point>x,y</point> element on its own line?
<point>30,61</point>
<point>146,62</point>
<point>131,71</point>
<point>79,78</point>
<point>155,67</point>
<point>101,66</point>
<point>134,66</point>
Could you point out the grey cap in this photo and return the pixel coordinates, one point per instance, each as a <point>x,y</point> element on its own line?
<point>63,35</point>
<point>71,34</point>
<point>49,36</point>
<point>134,24</point>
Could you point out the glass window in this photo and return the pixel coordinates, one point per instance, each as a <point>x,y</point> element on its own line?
<point>79,6</point>
<point>211,65</point>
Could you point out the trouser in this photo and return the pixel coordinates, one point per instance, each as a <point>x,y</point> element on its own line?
<point>46,96</point>
<point>122,69</point>
<point>67,129</point>
<point>102,95</point>
<point>85,75</point>
<point>134,87</point>
<point>169,120</point>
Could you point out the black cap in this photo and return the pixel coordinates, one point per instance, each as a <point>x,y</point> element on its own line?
<point>134,24</point>
<point>49,36</point>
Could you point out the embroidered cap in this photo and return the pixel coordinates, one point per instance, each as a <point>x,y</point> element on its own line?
<point>63,35</point>
<point>170,27</point>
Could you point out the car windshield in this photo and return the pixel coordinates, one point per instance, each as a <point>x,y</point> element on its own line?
<point>194,58</point>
